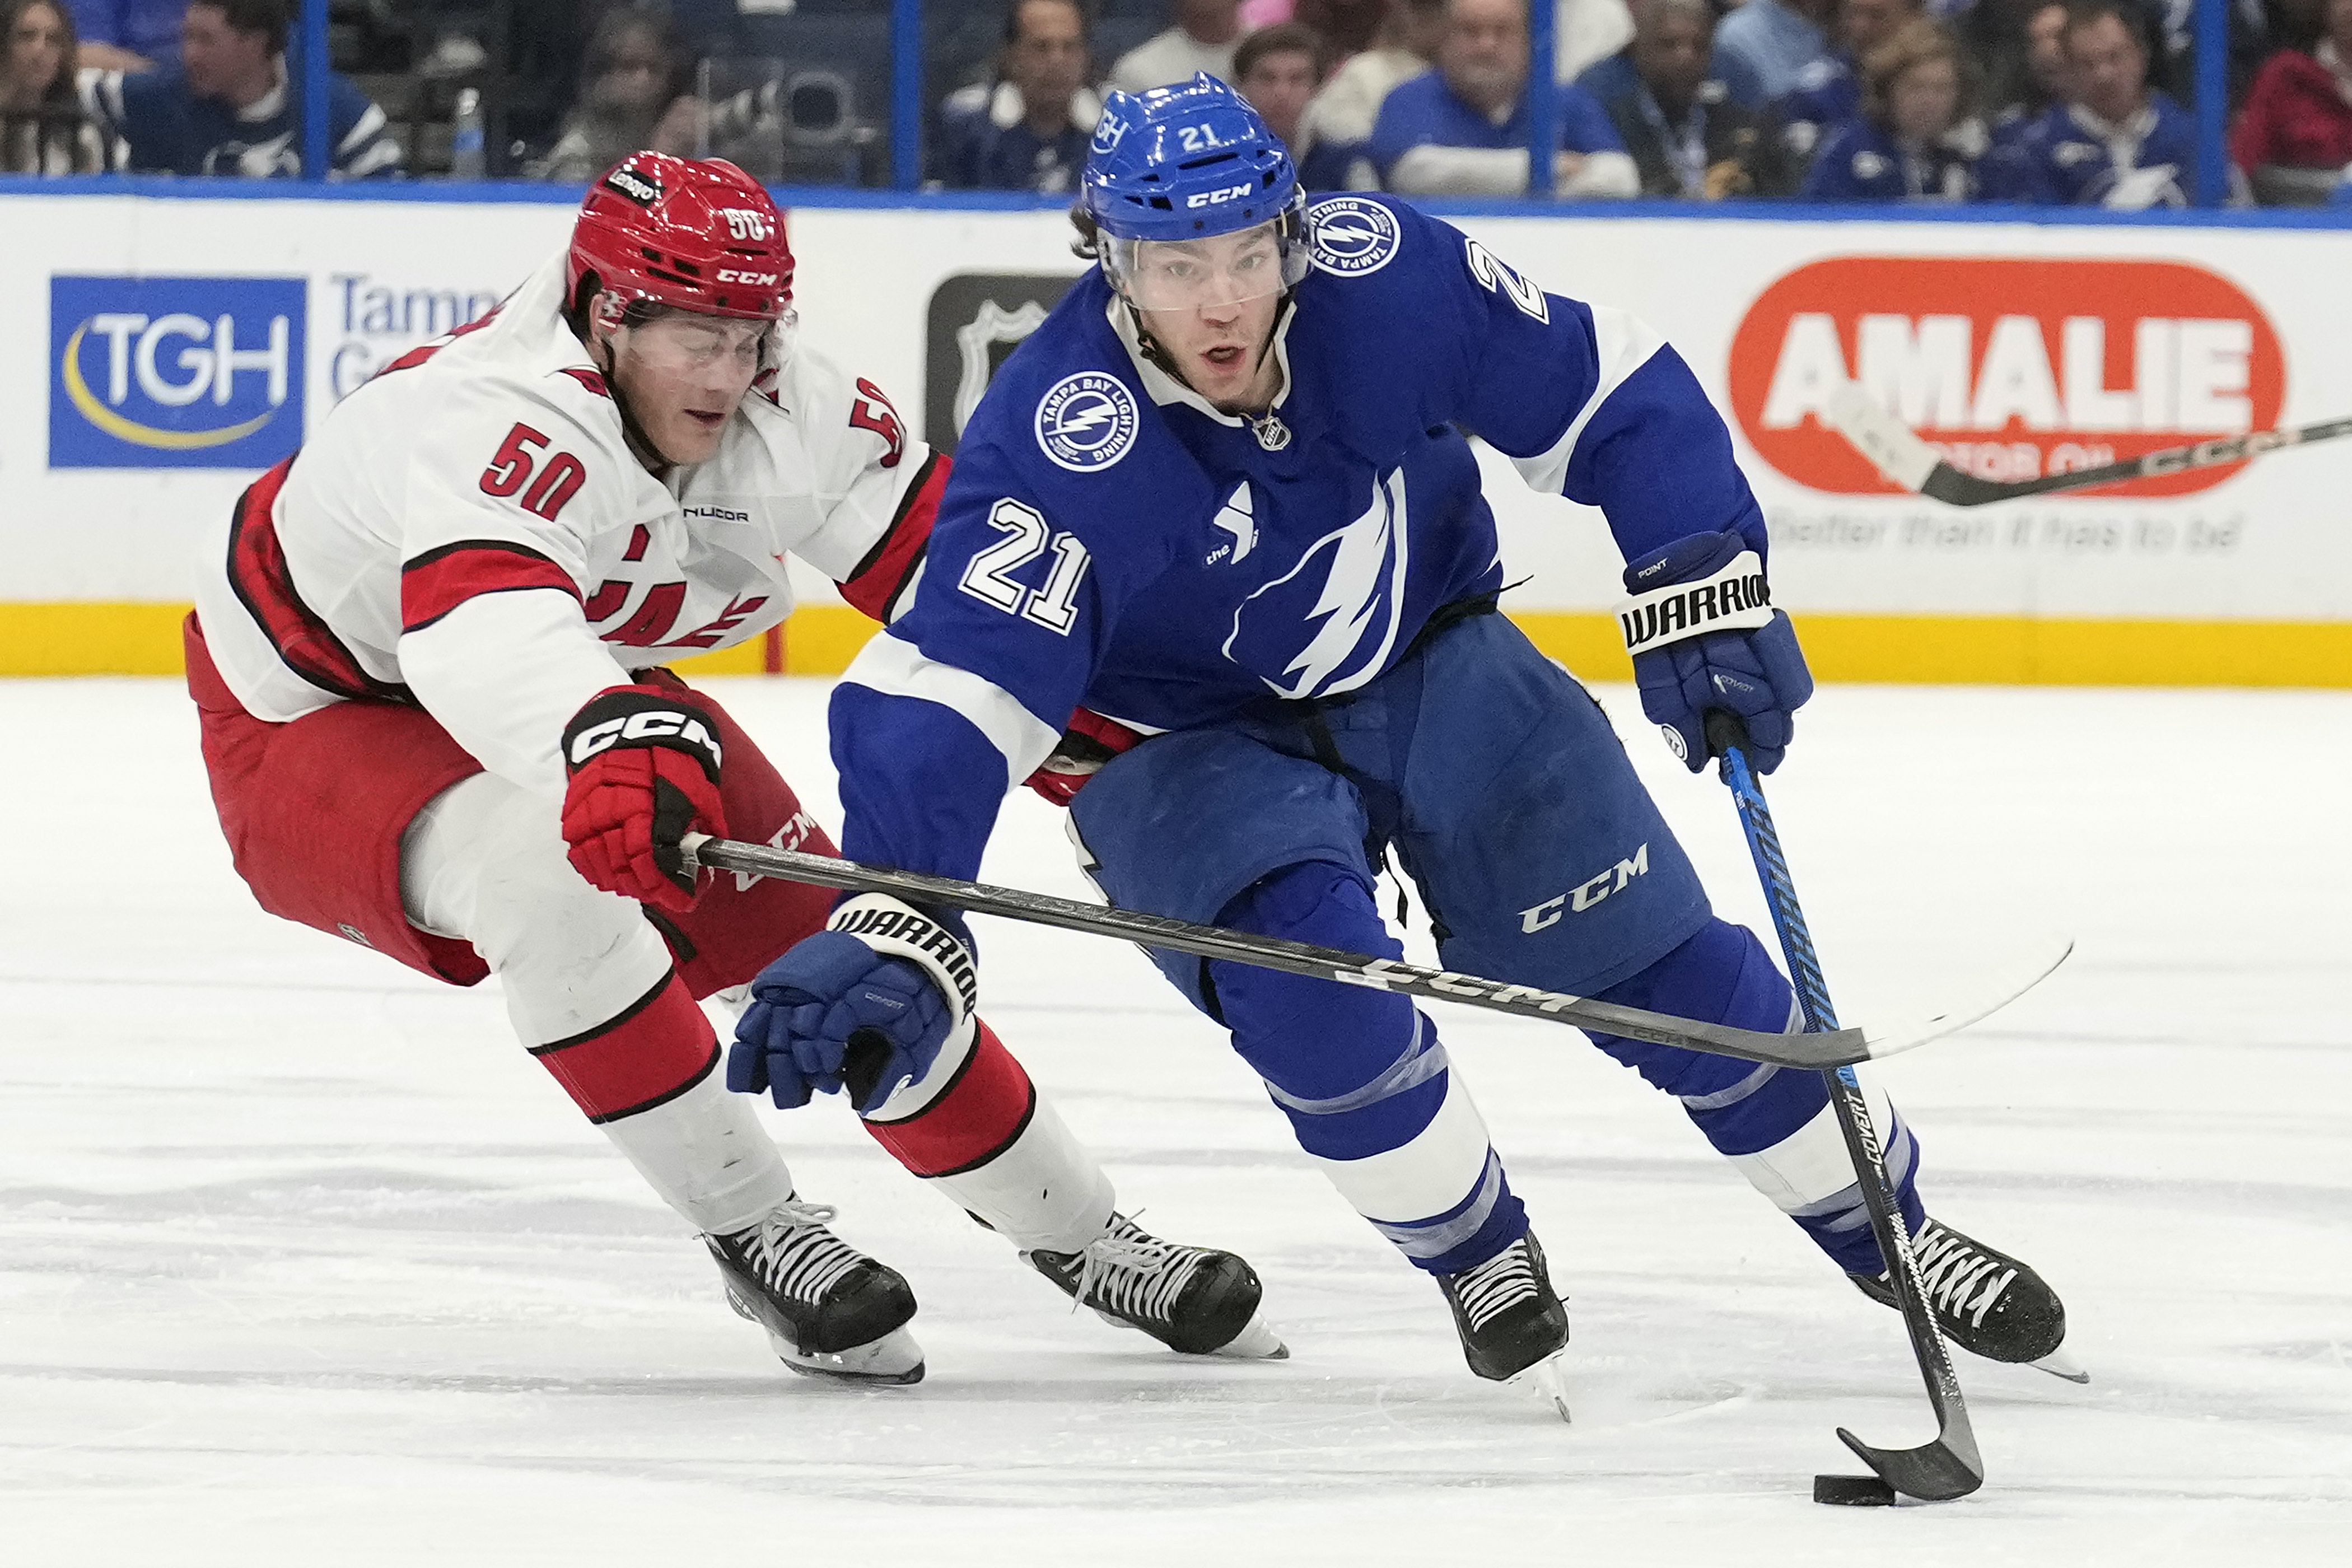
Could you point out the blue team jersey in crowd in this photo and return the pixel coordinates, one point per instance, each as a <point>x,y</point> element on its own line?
<point>1864,161</point>
<point>170,131</point>
<point>147,27</point>
<point>2067,159</point>
<point>1423,111</point>
<point>1828,93</point>
<point>1109,539</point>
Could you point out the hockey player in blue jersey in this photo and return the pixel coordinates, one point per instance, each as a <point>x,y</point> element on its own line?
<point>1215,567</point>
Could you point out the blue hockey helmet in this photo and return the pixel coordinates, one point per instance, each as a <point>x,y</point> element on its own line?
<point>1180,165</point>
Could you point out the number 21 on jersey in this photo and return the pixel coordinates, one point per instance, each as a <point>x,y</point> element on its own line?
<point>988,577</point>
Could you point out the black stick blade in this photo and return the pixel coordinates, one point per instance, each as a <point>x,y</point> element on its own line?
<point>1932,1472</point>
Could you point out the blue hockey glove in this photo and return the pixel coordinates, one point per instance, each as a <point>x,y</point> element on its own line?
<point>864,1004</point>
<point>1703,633</point>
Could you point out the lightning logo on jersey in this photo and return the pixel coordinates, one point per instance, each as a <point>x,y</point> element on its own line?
<point>1086,421</point>
<point>1354,612</point>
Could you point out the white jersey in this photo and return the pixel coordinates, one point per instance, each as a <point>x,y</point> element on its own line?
<point>468,532</point>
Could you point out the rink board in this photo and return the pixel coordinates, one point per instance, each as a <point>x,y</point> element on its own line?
<point>169,346</point>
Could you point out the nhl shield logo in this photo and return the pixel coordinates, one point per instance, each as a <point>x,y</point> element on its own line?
<point>1086,421</point>
<point>1350,237</point>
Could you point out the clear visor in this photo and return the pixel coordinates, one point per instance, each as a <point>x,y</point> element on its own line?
<point>1204,274</point>
<point>684,342</point>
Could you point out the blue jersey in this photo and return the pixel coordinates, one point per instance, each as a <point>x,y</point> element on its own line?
<point>170,131</point>
<point>2067,159</point>
<point>1828,93</point>
<point>1864,161</point>
<point>1424,111</point>
<point>1109,539</point>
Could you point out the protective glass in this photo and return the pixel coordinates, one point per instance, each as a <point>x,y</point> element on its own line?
<point>1206,273</point>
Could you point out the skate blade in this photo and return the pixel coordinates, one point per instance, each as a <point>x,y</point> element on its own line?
<point>1257,1341</point>
<point>1548,1380</point>
<point>894,1358</point>
<point>2060,1364</point>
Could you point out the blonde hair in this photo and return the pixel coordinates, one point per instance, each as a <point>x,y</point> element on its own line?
<point>1915,43</point>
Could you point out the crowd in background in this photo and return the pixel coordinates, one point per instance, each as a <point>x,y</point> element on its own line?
<point>2044,101</point>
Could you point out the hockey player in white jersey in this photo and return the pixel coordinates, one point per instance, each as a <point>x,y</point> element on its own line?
<point>427,654</point>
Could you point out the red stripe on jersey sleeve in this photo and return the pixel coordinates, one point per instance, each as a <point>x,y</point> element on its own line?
<point>258,575</point>
<point>439,581</point>
<point>659,1047</point>
<point>976,1118</point>
<point>879,579</point>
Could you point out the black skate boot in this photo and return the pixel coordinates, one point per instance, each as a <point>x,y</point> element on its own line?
<point>1190,1299</point>
<point>1986,1302</point>
<point>1513,1325</point>
<point>829,1309</point>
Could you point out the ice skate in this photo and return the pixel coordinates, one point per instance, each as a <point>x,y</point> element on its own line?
<point>829,1309</point>
<point>1986,1302</point>
<point>1514,1327</point>
<point>1190,1299</point>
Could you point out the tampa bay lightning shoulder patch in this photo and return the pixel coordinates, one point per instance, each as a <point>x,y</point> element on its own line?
<point>1350,237</point>
<point>1087,421</point>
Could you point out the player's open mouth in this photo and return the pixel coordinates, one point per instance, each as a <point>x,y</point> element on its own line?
<point>708,421</point>
<point>1225,357</point>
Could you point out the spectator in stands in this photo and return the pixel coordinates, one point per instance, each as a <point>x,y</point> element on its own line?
<point>1829,90</point>
<point>1689,137</point>
<point>2294,138</point>
<point>1277,69</point>
<point>1203,39</point>
<point>1775,39</point>
<point>632,97</point>
<point>1346,27</point>
<point>126,34</point>
<point>232,104</point>
<point>2019,49</point>
<point>1915,140</point>
<point>1612,79</point>
<point>42,128</point>
<point>1337,124</point>
<point>2117,141</point>
<point>1462,129</point>
<point>1027,130</point>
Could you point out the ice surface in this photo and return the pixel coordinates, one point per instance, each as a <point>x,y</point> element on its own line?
<point>302,1261</point>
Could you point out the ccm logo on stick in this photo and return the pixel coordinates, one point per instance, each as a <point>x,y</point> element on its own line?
<point>1586,894</point>
<point>652,725</point>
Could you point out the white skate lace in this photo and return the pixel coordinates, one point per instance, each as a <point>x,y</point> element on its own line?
<point>1952,1270</point>
<point>1488,1290</point>
<point>793,1254</point>
<point>1133,1273</point>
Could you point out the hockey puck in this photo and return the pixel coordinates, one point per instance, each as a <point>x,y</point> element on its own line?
<point>1852,1492</point>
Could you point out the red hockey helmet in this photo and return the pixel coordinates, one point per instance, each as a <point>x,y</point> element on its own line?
<point>695,233</point>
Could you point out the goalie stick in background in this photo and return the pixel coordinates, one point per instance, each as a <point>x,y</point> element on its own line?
<point>427,652</point>
<point>1215,567</point>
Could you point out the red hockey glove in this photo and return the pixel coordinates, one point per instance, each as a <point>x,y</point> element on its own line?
<point>1089,742</point>
<point>644,766</point>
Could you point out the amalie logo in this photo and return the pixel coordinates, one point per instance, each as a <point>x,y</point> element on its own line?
<point>2012,369</point>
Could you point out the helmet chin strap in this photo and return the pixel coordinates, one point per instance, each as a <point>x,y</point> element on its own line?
<point>657,461</point>
<point>1159,356</point>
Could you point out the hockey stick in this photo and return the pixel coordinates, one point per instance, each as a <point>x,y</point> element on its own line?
<point>1829,1049</point>
<point>1948,1466</point>
<point>1910,462</point>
